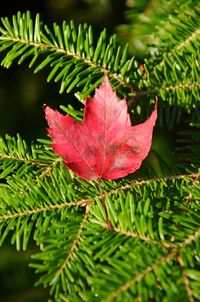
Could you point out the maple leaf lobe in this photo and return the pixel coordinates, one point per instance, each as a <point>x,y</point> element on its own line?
<point>104,145</point>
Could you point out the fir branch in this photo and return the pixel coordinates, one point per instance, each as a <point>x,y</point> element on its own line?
<point>16,155</point>
<point>193,237</point>
<point>83,65</point>
<point>185,279</point>
<point>141,275</point>
<point>74,246</point>
<point>144,238</point>
<point>183,44</point>
<point>50,208</point>
<point>148,182</point>
<point>23,160</point>
<point>191,38</point>
<point>188,24</point>
<point>65,52</point>
<point>171,255</point>
<point>150,251</point>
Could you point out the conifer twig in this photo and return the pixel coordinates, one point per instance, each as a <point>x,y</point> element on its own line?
<point>109,227</point>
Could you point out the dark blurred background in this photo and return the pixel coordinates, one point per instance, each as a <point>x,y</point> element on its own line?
<point>22,95</point>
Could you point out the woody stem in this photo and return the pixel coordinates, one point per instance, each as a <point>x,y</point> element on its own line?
<point>109,227</point>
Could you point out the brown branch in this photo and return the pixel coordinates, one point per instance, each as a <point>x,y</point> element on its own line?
<point>144,238</point>
<point>185,279</point>
<point>81,203</point>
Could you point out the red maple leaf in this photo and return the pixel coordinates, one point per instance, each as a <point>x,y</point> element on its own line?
<point>104,145</point>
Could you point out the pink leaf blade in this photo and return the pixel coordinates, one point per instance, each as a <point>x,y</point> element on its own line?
<point>69,142</point>
<point>104,145</point>
<point>133,151</point>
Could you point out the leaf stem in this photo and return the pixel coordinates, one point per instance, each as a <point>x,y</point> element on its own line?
<point>109,227</point>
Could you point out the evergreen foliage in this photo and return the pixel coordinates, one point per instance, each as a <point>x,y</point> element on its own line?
<point>152,252</point>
